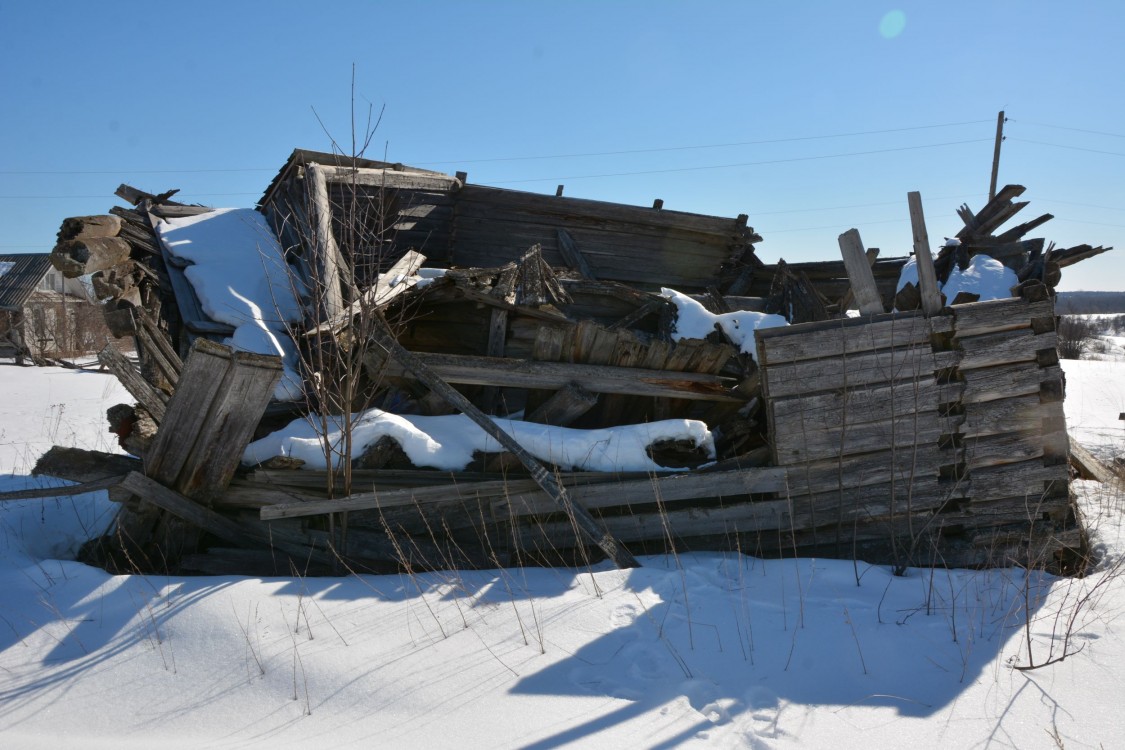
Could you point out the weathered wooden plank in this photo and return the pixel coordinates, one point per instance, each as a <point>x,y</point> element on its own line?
<point>156,345</point>
<point>797,441</point>
<point>664,489</point>
<point>898,465</point>
<point>74,489</point>
<point>210,418</point>
<point>927,276</point>
<point>1005,347</point>
<point>1006,381</point>
<point>849,371</point>
<point>1029,478</point>
<point>599,210</point>
<point>1017,414</point>
<point>590,528</point>
<point>566,405</point>
<point>332,267</point>
<point>859,273</point>
<point>853,406</point>
<point>846,336</point>
<point>993,316</point>
<point>151,399</point>
<point>574,257</point>
<point>1007,448</point>
<point>397,279</point>
<point>396,179</point>
<point>510,373</point>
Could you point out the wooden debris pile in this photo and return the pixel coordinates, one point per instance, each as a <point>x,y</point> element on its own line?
<point>932,435</point>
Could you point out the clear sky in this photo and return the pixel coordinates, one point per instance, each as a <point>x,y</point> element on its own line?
<point>810,117</point>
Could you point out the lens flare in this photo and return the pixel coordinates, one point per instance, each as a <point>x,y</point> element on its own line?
<point>892,24</point>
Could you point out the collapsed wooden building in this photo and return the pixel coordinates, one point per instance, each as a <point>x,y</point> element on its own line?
<point>933,434</point>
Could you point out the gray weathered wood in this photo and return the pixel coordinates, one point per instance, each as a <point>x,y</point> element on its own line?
<point>390,285</point>
<point>211,418</point>
<point>74,489</point>
<point>998,315</point>
<point>579,515</point>
<point>151,399</point>
<point>859,273</point>
<point>806,440</point>
<point>392,179</point>
<point>927,276</point>
<point>850,371</point>
<point>847,336</point>
<point>512,373</point>
<point>1005,347</point>
<point>564,406</point>
<point>1006,381</point>
<point>332,264</point>
<point>573,256</point>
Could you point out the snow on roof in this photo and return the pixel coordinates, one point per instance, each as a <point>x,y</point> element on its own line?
<point>695,322</point>
<point>984,275</point>
<point>241,278</point>
<point>5,266</point>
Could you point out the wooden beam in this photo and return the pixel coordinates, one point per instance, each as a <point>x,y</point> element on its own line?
<point>390,285</point>
<point>859,273</point>
<point>520,373</point>
<point>392,179</point>
<point>590,529</point>
<point>326,250</point>
<point>74,489</point>
<point>573,256</point>
<point>151,399</point>
<point>927,276</point>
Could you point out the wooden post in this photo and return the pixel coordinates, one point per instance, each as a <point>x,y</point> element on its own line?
<point>329,253</point>
<point>559,191</point>
<point>996,154</point>
<point>589,528</point>
<point>859,273</point>
<point>927,276</point>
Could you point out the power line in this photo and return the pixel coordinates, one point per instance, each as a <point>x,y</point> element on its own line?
<point>712,145</point>
<point>105,196</point>
<point>1072,148</point>
<point>863,205</point>
<point>134,171</point>
<point>522,158</point>
<point>1064,127</point>
<point>744,164</point>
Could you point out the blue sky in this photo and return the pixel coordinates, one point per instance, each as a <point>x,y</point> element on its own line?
<point>810,117</point>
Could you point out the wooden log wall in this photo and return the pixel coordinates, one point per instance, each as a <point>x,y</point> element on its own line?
<point>914,438</point>
<point>647,247</point>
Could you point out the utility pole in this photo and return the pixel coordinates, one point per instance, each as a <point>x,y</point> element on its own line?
<point>996,154</point>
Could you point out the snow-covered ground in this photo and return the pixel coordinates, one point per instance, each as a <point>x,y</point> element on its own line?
<point>703,650</point>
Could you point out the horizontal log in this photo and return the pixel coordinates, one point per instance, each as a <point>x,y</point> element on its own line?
<point>82,227</point>
<point>1017,414</point>
<point>853,406</point>
<point>73,489</point>
<point>390,178</point>
<point>591,209</point>
<point>995,450</point>
<point>510,373</point>
<point>850,371</point>
<point>1005,347</point>
<point>798,441</point>
<point>1007,381</point>
<point>655,489</point>
<point>901,465</point>
<point>81,465</point>
<point>847,336</point>
<point>994,316</point>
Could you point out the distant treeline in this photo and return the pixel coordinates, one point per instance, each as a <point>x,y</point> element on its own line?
<point>1082,303</point>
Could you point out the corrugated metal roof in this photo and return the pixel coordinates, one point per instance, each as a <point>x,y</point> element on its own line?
<point>23,274</point>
